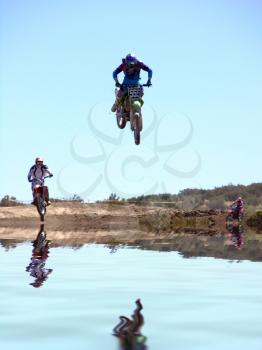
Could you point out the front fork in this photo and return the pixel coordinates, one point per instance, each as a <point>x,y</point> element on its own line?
<point>135,111</point>
<point>41,191</point>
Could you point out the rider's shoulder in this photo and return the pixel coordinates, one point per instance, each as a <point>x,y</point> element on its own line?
<point>123,64</point>
<point>120,67</point>
<point>141,64</point>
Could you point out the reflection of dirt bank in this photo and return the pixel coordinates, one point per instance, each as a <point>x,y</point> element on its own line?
<point>195,233</point>
<point>189,245</point>
<point>221,247</point>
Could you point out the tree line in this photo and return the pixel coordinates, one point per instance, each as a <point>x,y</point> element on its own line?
<point>216,198</point>
<point>187,199</point>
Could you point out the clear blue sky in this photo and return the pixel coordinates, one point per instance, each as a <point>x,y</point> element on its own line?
<point>202,116</point>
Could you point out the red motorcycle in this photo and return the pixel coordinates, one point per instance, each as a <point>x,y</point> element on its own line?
<point>41,197</point>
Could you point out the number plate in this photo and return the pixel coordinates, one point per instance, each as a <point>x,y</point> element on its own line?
<point>135,92</point>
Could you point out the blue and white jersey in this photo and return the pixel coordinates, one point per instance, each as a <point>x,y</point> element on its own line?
<point>38,172</point>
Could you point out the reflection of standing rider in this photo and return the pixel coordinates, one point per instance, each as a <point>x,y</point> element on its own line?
<point>131,68</point>
<point>37,174</point>
<point>39,256</point>
<point>237,235</point>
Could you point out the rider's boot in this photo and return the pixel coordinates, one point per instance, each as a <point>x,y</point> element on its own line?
<point>47,201</point>
<point>47,197</point>
<point>116,104</point>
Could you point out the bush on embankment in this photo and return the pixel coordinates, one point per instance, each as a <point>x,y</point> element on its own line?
<point>255,221</point>
<point>9,201</point>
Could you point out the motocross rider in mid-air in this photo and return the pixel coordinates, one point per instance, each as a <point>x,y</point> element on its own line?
<point>131,68</point>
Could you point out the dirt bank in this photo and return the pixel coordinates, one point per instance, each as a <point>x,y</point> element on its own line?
<point>111,217</point>
<point>194,233</point>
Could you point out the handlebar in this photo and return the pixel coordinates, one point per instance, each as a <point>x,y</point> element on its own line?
<point>36,179</point>
<point>127,85</point>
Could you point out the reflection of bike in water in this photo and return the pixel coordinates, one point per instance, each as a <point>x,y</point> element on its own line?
<point>236,232</point>
<point>40,254</point>
<point>128,331</point>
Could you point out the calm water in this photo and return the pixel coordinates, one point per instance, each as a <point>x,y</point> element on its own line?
<point>199,303</point>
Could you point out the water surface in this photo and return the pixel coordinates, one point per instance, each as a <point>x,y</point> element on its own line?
<point>197,303</point>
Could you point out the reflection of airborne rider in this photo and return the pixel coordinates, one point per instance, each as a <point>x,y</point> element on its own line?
<point>37,174</point>
<point>131,68</point>
<point>129,331</point>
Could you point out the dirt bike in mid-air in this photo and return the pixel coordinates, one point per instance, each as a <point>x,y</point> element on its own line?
<point>130,110</point>
<point>41,197</point>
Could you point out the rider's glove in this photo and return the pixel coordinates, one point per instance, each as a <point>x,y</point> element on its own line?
<point>30,180</point>
<point>148,83</point>
<point>51,175</point>
<point>118,84</point>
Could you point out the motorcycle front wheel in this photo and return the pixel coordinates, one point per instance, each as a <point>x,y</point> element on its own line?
<point>41,207</point>
<point>137,128</point>
<point>120,119</point>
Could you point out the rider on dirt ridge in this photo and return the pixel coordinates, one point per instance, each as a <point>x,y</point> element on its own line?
<point>37,174</point>
<point>239,203</point>
<point>131,68</point>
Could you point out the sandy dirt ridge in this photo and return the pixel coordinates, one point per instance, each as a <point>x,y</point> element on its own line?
<point>123,223</point>
<point>193,233</point>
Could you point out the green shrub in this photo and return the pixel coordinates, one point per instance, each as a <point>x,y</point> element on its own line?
<point>9,201</point>
<point>255,221</point>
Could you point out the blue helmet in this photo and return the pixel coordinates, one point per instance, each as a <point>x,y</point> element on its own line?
<point>131,59</point>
